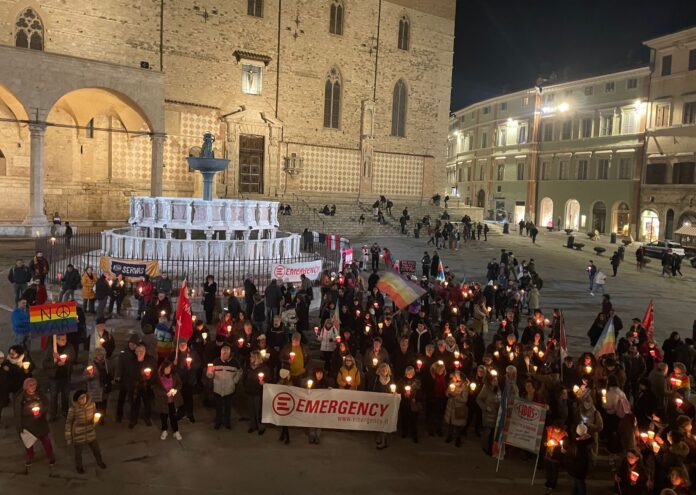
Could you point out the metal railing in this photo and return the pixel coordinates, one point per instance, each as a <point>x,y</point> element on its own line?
<point>84,249</point>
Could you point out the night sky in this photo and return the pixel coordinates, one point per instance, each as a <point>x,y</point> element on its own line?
<point>504,45</point>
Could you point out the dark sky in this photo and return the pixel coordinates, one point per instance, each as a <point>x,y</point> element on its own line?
<point>504,45</point>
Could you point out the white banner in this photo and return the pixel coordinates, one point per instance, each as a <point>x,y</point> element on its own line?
<point>291,272</point>
<point>524,425</point>
<point>336,409</point>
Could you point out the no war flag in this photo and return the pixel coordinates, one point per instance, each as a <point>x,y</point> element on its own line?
<point>53,319</point>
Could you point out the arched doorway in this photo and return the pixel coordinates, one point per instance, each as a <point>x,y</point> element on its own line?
<point>620,219</point>
<point>687,218</point>
<point>572,214</point>
<point>481,199</point>
<point>599,217</point>
<point>649,226</point>
<point>669,224</point>
<point>546,213</point>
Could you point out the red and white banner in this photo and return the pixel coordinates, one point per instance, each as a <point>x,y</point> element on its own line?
<point>346,257</point>
<point>524,425</point>
<point>335,409</point>
<point>291,272</point>
<point>333,241</point>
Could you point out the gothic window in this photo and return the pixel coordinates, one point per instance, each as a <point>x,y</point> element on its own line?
<point>255,8</point>
<point>336,17</point>
<point>399,110</point>
<point>332,99</point>
<point>404,33</point>
<point>29,30</point>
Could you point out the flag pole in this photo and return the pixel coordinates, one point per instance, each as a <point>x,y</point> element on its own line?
<point>560,354</point>
<point>536,464</point>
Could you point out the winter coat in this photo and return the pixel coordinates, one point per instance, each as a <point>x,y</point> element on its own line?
<point>480,316</point>
<point>63,371</point>
<point>457,411</point>
<point>101,288</point>
<point>489,402</point>
<point>354,375</point>
<point>533,299</point>
<point>164,285</point>
<point>98,382</point>
<point>24,416</point>
<point>187,373</point>
<point>160,400</point>
<point>79,425</point>
<point>88,282</point>
<point>19,275</point>
<point>579,461</point>
<point>71,280</point>
<point>327,339</point>
<point>226,376</point>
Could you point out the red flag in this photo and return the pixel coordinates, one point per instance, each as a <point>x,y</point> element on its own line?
<point>184,320</point>
<point>649,321</point>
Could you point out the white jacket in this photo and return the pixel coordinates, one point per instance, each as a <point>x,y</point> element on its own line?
<point>600,278</point>
<point>327,339</point>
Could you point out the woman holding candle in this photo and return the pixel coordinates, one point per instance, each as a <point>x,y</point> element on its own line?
<point>348,375</point>
<point>187,363</point>
<point>30,408</point>
<point>209,298</point>
<point>143,293</point>
<point>456,411</point>
<point>226,327</point>
<point>317,381</point>
<point>327,341</point>
<point>80,429</point>
<point>411,403</point>
<point>632,478</point>
<point>436,399</point>
<point>58,362</point>
<point>98,377</point>
<point>103,339</point>
<point>257,374</point>
<point>166,398</point>
<point>295,357</point>
<point>143,376</point>
<point>382,384</point>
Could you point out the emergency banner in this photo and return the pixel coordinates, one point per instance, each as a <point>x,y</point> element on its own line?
<point>53,319</point>
<point>291,272</point>
<point>335,409</point>
<point>132,270</point>
<point>524,425</point>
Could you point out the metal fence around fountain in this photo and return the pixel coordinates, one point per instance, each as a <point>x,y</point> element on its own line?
<point>84,249</point>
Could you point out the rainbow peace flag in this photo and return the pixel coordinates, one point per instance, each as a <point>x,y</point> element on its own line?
<point>440,272</point>
<point>399,290</point>
<point>53,319</point>
<point>607,341</point>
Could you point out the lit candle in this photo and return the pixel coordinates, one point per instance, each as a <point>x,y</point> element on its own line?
<point>263,353</point>
<point>536,349</point>
<point>189,361</point>
<point>90,369</point>
<point>644,437</point>
<point>140,290</point>
<point>121,283</point>
<point>551,443</point>
<point>456,354</point>
<point>338,339</point>
<point>588,369</point>
<point>457,364</point>
<point>652,352</point>
<point>376,305</point>
<point>677,382</point>
<point>678,402</point>
<point>102,341</point>
<point>163,312</point>
<point>392,387</point>
<point>511,356</point>
<point>367,328</point>
<point>97,417</point>
<point>541,354</point>
<point>229,329</point>
<point>535,368</point>
<point>651,434</point>
<point>634,476</point>
<point>36,410</point>
<point>110,282</point>
<point>292,356</point>
<point>147,372</point>
<point>380,325</point>
<point>504,323</point>
<point>357,312</point>
<point>454,310</point>
<point>546,321</point>
<point>349,380</point>
<point>261,375</point>
<point>63,358</point>
<point>656,447</point>
<point>310,383</point>
<point>452,386</point>
<point>496,354</point>
<point>240,341</point>
<point>441,362</point>
<point>419,364</point>
<point>375,362</point>
<point>193,318</point>
<point>494,373</point>
<point>472,386</point>
<point>576,389</point>
<point>26,365</point>
<point>204,335</point>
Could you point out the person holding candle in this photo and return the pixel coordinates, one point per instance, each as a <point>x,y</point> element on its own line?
<point>103,339</point>
<point>30,407</point>
<point>145,367</point>
<point>19,367</point>
<point>80,429</point>
<point>295,356</point>
<point>489,402</point>
<point>257,374</point>
<point>143,293</point>
<point>225,373</point>
<point>382,384</point>
<point>317,382</point>
<point>116,295</point>
<point>456,410</point>
<point>578,459</point>
<point>163,306</point>
<point>632,477</point>
<point>187,363</point>
<point>89,279</point>
<point>435,388</point>
<point>58,363</point>
<point>125,375</point>
<point>327,341</point>
<point>348,375</point>
<point>98,377</point>
<point>166,391</point>
<point>225,326</point>
<point>553,456</point>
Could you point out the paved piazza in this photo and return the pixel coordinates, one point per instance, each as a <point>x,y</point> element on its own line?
<point>208,461</point>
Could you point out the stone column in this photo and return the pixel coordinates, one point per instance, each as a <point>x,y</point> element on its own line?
<point>157,164</point>
<point>36,216</point>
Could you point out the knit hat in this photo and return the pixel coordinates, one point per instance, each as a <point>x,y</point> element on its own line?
<point>28,382</point>
<point>78,394</point>
<point>581,430</point>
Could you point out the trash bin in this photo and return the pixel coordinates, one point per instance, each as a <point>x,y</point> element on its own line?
<point>571,242</point>
<point>613,238</point>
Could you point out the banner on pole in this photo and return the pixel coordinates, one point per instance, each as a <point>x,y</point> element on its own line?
<point>336,409</point>
<point>53,319</point>
<point>132,270</point>
<point>407,266</point>
<point>524,425</point>
<point>291,272</point>
<point>346,258</point>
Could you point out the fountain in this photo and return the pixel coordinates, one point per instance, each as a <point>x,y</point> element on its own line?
<point>207,165</point>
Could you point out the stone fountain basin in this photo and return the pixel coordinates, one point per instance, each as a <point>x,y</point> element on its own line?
<point>207,164</point>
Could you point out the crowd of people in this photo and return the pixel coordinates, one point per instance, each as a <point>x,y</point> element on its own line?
<point>457,356</point>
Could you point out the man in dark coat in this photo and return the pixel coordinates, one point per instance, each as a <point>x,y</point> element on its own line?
<point>19,276</point>
<point>434,263</point>
<point>249,292</point>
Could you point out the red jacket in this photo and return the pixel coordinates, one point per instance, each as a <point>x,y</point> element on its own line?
<point>145,290</point>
